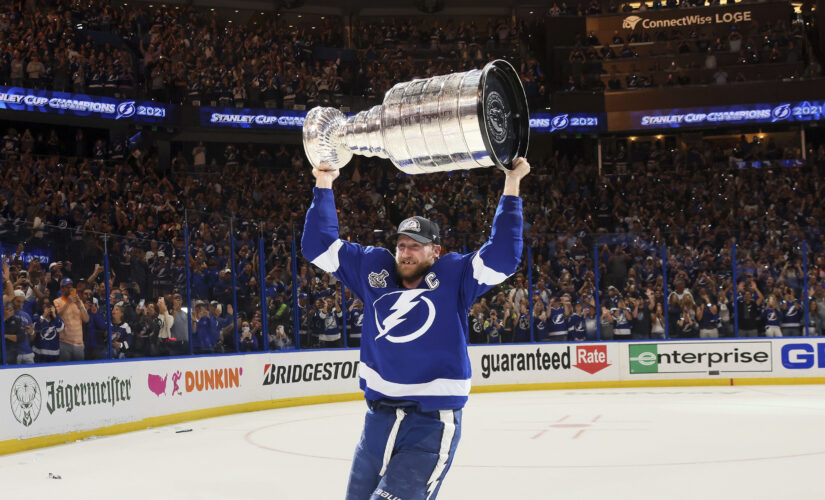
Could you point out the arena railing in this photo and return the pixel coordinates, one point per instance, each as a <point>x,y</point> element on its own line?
<point>214,285</point>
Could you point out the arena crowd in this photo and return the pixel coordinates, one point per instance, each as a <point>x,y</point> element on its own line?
<point>595,247</point>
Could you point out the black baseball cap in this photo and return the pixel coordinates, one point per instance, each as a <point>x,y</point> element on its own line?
<point>420,229</point>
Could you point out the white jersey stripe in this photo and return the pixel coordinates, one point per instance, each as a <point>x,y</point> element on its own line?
<point>328,261</point>
<point>485,275</point>
<point>399,416</point>
<point>448,419</point>
<point>46,352</point>
<point>437,387</point>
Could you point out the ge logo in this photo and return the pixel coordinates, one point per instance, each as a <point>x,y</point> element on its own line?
<point>781,112</point>
<point>125,109</point>
<point>559,123</point>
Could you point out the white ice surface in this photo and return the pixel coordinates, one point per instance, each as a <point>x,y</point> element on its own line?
<point>658,443</point>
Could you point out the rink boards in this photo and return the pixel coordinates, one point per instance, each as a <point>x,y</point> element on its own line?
<point>42,405</point>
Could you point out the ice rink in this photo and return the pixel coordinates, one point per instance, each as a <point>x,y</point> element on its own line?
<point>743,442</point>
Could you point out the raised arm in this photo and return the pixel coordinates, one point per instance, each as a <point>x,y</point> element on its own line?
<point>513,177</point>
<point>325,175</point>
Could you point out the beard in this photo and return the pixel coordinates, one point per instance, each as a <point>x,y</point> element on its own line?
<point>412,273</point>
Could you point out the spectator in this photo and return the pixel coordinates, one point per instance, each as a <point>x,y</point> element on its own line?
<point>707,315</point>
<point>22,331</point>
<point>558,312</point>
<point>204,330</point>
<point>179,330</point>
<point>577,331</point>
<point>47,328</point>
<point>280,339</point>
<point>97,333</point>
<point>355,320</point>
<point>749,312</point>
<point>248,341</point>
<point>522,327</point>
<point>14,333</point>
<point>493,328</point>
<point>476,324</point>
<point>710,60</point>
<point>792,320</point>
<point>772,315</point>
<point>540,319</point>
<point>122,336</point>
<point>73,313</point>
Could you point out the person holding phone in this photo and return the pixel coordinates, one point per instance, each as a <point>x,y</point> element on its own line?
<point>47,333</point>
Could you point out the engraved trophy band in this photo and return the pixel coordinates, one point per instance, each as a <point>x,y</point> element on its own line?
<point>459,121</point>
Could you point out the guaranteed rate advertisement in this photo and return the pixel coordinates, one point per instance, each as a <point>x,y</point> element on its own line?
<point>86,106</point>
<point>543,363</point>
<point>714,116</point>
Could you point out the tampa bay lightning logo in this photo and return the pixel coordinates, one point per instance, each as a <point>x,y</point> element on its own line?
<point>125,110</point>
<point>559,123</point>
<point>403,316</point>
<point>558,319</point>
<point>781,112</point>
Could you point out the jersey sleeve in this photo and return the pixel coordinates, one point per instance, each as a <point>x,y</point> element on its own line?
<point>499,257</point>
<point>321,245</point>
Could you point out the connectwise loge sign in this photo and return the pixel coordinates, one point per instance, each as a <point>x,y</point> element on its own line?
<point>719,17</point>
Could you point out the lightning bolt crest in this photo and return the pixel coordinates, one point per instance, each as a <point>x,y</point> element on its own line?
<point>404,304</point>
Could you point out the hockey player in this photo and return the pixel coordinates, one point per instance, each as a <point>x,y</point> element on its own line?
<point>414,369</point>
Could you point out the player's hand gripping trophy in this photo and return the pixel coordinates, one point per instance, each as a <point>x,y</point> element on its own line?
<point>460,121</point>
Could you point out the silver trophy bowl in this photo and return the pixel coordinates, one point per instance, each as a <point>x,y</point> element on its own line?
<point>460,121</point>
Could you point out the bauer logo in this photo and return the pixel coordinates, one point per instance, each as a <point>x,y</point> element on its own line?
<point>700,357</point>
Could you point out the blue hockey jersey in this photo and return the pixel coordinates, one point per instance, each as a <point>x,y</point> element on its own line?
<point>414,341</point>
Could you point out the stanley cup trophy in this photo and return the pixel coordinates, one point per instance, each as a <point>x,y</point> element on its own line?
<point>451,122</point>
